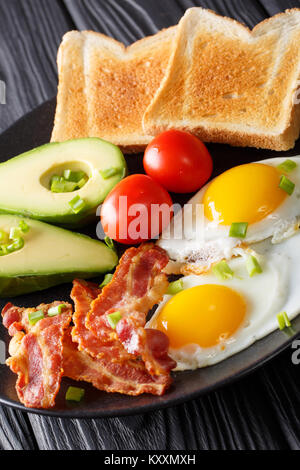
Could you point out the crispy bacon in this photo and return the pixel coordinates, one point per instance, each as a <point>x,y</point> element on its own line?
<point>111,368</point>
<point>151,345</point>
<point>129,359</point>
<point>36,353</point>
<point>129,377</point>
<point>138,284</point>
<point>83,294</point>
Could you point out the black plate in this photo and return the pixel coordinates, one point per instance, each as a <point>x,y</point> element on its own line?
<point>35,129</point>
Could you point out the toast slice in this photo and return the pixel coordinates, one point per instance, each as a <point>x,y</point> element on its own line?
<point>105,88</point>
<point>227,84</point>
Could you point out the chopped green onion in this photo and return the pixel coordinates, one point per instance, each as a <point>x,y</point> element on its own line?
<point>287,185</point>
<point>283,321</point>
<point>175,287</point>
<point>113,319</point>
<point>222,271</point>
<point>253,266</point>
<point>63,186</point>
<point>54,311</point>
<point>74,176</point>
<point>35,317</point>
<point>238,229</point>
<point>16,245</point>
<point>109,173</point>
<point>82,182</point>
<point>109,242</point>
<point>77,204</point>
<point>24,227</point>
<point>15,232</point>
<point>75,394</point>
<point>55,178</point>
<point>3,250</point>
<point>107,280</point>
<point>287,166</point>
<point>4,237</point>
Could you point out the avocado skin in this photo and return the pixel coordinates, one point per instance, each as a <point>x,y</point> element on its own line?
<point>28,270</point>
<point>88,147</point>
<point>16,286</point>
<point>69,221</point>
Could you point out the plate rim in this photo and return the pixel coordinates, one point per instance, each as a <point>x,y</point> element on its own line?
<point>155,405</point>
<point>144,409</point>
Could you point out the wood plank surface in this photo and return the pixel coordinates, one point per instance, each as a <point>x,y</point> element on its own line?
<point>261,411</point>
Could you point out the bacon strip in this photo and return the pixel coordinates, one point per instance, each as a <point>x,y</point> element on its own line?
<point>138,284</point>
<point>83,294</point>
<point>36,353</point>
<point>129,359</point>
<point>112,368</point>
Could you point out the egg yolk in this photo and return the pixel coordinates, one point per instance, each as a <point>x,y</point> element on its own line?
<point>246,193</point>
<point>205,315</point>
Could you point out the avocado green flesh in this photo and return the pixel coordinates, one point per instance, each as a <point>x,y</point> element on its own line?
<point>50,256</point>
<point>25,180</point>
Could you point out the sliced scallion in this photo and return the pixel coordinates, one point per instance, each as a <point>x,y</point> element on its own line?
<point>287,166</point>
<point>63,186</point>
<point>3,250</point>
<point>109,242</point>
<point>238,229</point>
<point>77,204</point>
<point>35,317</point>
<point>106,280</point>
<point>24,227</point>
<point>222,271</point>
<point>283,321</point>
<point>16,245</point>
<point>82,182</point>
<point>74,176</point>
<point>253,266</point>
<point>175,287</point>
<point>286,185</point>
<point>75,394</point>
<point>4,237</point>
<point>113,319</point>
<point>11,247</point>
<point>54,311</point>
<point>15,232</point>
<point>109,173</point>
<point>55,178</point>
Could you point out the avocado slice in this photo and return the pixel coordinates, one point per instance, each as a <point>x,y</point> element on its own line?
<point>50,256</point>
<point>25,181</point>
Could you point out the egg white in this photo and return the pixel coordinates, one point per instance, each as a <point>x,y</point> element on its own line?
<point>213,242</point>
<point>276,289</point>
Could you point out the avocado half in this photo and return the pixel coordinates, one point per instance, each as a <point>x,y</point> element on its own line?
<point>26,179</point>
<point>50,256</point>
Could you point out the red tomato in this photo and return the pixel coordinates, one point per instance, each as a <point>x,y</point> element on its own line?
<point>178,161</point>
<point>130,214</point>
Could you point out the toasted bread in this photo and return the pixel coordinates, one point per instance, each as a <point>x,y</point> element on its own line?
<point>227,84</point>
<point>105,88</point>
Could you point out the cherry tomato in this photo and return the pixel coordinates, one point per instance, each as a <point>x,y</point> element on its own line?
<point>130,214</point>
<point>178,161</point>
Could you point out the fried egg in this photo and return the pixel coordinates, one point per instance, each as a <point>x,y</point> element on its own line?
<point>251,194</point>
<point>212,319</point>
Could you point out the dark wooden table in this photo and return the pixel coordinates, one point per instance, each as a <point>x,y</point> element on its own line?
<point>261,411</point>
